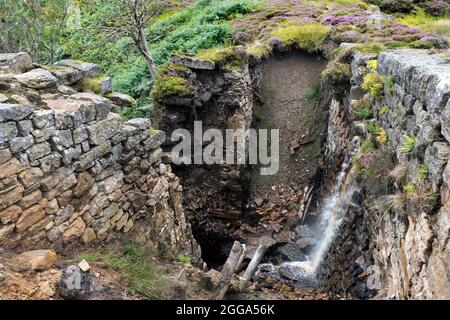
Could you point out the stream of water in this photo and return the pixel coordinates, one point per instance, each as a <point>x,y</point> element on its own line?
<point>331,217</point>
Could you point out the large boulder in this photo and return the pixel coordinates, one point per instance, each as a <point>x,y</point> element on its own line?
<point>74,283</point>
<point>37,79</point>
<point>39,260</point>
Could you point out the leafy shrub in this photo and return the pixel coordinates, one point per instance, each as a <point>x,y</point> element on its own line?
<point>373,127</point>
<point>373,167</point>
<point>362,109</point>
<point>408,144</point>
<point>410,188</point>
<point>373,83</point>
<point>393,5</point>
<point>367,145</point>
<point>201,25</point>
<point>437,7</point>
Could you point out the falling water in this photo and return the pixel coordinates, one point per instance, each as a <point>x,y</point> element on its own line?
<point>331,217</point>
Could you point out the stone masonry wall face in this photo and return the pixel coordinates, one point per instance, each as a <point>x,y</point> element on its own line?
<point>73,171</point>
<point>403,253</point>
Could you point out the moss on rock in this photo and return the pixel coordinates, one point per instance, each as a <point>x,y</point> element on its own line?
<point>167,85</point>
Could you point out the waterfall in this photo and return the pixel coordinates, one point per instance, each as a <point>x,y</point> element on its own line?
<point>331,217</point>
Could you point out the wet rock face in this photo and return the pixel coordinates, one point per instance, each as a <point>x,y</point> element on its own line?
<point>71,171</point>
<point>403,253</point>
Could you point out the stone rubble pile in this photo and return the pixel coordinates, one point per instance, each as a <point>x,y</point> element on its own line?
<point>71,170</point>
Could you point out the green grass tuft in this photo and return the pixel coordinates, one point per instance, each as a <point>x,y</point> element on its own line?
<point>422,171</point>
<point>313,93</point>
<point>144,277</point>
<point>307,36</point>
<point>184,259</point>
<point>258,50</point>
<point>408,144</point>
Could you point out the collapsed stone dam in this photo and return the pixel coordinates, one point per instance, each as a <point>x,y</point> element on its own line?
<point>392,241</point>
<point>72,171</point>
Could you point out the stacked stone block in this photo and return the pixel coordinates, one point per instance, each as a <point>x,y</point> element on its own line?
<point>71,170</point>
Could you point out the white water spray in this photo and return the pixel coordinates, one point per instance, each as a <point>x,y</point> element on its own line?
<point>331,217</point>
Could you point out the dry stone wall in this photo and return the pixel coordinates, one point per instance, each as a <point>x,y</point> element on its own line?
<point>402,251</point>
<point>73,171</point>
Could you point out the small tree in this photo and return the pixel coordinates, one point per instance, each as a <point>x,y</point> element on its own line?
<point>34,26</point>
<point>129,18</point>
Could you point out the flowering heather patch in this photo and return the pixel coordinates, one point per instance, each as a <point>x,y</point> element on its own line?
<point>348,23</point>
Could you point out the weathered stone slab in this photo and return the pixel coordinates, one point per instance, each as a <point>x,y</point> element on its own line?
<point>87,69</point>
<point>25,127</point>
<point>37,79</point>
<point>98,85</point>
<point>65,75</point>
<point>43,119</point>
<point>141,123</point>
<point>16,62</point>
<point>102,105</point>
<point>8,131</point>
<point>30,217</point>
<point>39,151</point>
<point>121,100</point>
<point>11,167</point>
<point>20,144</point>
<point>445,122</point>
<point>104,130</point>
<point>79,112</point>
<point>50,163</point>
<point>193,63</point>
<point>31,176</point>
<point>5,155</point>
<point>15,112</point>
<point>10,214</point>
<point>75,230</point>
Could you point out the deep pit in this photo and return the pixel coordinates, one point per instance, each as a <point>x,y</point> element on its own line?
<point>286,95</point>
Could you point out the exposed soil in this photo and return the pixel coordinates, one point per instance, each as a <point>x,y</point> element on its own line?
<point>286,103</point>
